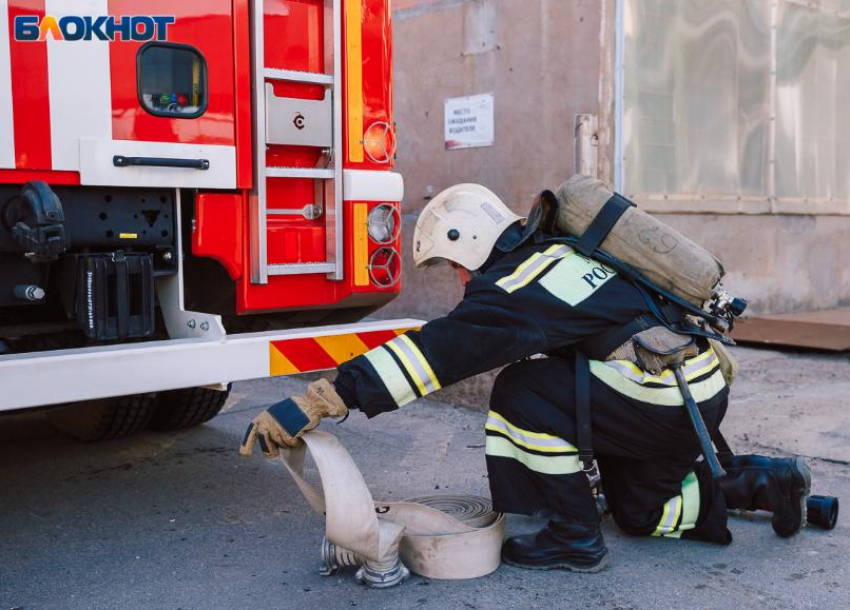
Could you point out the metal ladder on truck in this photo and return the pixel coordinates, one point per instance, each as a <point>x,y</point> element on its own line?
<point>298,122</point>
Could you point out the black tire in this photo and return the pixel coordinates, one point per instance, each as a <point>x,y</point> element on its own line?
<point>107,418</point>
<point>180,409</point>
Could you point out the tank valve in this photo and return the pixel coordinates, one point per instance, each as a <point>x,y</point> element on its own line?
<point>29,292</point>
<point>381,575</point>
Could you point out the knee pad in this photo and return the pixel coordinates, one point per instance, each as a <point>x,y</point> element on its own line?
<point>633,523</point>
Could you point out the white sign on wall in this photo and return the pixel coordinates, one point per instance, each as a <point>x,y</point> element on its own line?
<point>469,121</point>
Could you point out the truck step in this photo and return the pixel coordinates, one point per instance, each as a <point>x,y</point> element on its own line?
<point>301,268</point>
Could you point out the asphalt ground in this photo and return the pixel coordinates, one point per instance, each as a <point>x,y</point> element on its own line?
<point>180,520</point>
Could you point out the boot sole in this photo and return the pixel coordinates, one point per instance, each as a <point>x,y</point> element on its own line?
<point>603,563</point>
<point>801,467</point>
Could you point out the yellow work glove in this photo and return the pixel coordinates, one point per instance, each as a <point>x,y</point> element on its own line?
<point>282,424</point>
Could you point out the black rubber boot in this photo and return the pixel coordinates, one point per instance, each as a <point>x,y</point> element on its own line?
<point>562,544</point>
<point>755,482</point>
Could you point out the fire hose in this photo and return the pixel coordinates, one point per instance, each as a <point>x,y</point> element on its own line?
<point>439,536</point>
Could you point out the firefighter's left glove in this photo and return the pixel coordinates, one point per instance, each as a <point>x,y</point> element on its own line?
<point>282,424</point>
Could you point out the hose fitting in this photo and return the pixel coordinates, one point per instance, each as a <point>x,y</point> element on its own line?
<point>377,575</point>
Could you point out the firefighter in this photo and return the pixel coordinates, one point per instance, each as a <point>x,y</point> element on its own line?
<point>527,294</point>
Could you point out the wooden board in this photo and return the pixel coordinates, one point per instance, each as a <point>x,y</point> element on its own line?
<point>827,330</point>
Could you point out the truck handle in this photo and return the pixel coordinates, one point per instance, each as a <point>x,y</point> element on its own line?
<point>121,161</point>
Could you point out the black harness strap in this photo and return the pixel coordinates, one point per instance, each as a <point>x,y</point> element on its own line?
<point>602,224</point>
<point>598,347</point>
<point>584,437</point>
<point>724,451</point>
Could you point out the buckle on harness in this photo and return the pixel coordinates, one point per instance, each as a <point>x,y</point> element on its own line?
<point>586,458</point>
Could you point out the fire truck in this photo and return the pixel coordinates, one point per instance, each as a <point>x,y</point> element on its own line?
<point>191,193</point>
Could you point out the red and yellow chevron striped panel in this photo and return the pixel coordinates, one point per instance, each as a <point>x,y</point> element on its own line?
<point>322,353</point>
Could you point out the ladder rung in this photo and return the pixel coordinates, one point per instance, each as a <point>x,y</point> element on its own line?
<point>297,76</point>
<point>285,212</point>
<point>301,268</point>
<point>299,172</point>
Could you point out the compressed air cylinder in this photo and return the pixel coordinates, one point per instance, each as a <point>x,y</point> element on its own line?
<point>663,255</point>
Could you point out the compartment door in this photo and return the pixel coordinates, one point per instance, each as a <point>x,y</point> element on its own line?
<point>170,99</point>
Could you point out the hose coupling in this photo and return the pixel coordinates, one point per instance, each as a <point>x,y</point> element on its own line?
<point>377,575</point>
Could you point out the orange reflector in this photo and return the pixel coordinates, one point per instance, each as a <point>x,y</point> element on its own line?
<point>354,72</point>
<point>361,244</point>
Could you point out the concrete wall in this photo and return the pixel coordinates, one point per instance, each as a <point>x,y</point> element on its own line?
<point>533,56</point>
<point>779,263</point>
<point>546,61</point>
<point>540,59</point>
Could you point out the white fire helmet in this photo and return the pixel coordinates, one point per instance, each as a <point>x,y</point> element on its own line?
<point>461,225</point>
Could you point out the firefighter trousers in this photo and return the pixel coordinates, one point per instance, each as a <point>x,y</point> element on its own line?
<point>643,440</point>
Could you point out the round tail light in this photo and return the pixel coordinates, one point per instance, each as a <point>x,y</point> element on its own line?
<point>379,142</point>
<point>384,223</point>
<point>385,267</point>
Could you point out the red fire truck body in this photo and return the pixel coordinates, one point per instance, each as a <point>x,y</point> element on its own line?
<point>188,171</point>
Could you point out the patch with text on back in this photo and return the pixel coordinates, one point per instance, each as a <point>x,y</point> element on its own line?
<point>576,277</point>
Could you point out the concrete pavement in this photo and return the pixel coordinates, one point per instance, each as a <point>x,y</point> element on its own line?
<point>181,521</point>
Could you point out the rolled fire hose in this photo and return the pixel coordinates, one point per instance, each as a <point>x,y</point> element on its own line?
<point>440,536</point>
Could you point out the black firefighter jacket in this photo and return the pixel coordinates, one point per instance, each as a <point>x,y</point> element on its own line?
<point>540,298</point>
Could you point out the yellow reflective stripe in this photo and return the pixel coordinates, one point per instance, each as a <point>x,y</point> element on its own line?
<point>668,397</point>
<point>551,255</point>
<point>525,281</point>
<point>685,505</point>
<point>505,281</point>
<point>677,513</point>
<point>533,267</point>
<point>518,271</point>
<point>423,362</point>
<point>667,377</point>
<point>498,446</point>
<point>409,366</point>
<point>670,516</point>
<point>703,370</point>
<point>522,437</point>
<point>700,365</point>
<point>690,500</point>
<point>540,435</point>
<point>415,364</point>
<point>706,355</point>
<point>527,445</point>
<point>392,376</point>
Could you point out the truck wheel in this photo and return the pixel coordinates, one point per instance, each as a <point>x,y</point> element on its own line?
<point>187,408</point>
<point>97,420</point>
